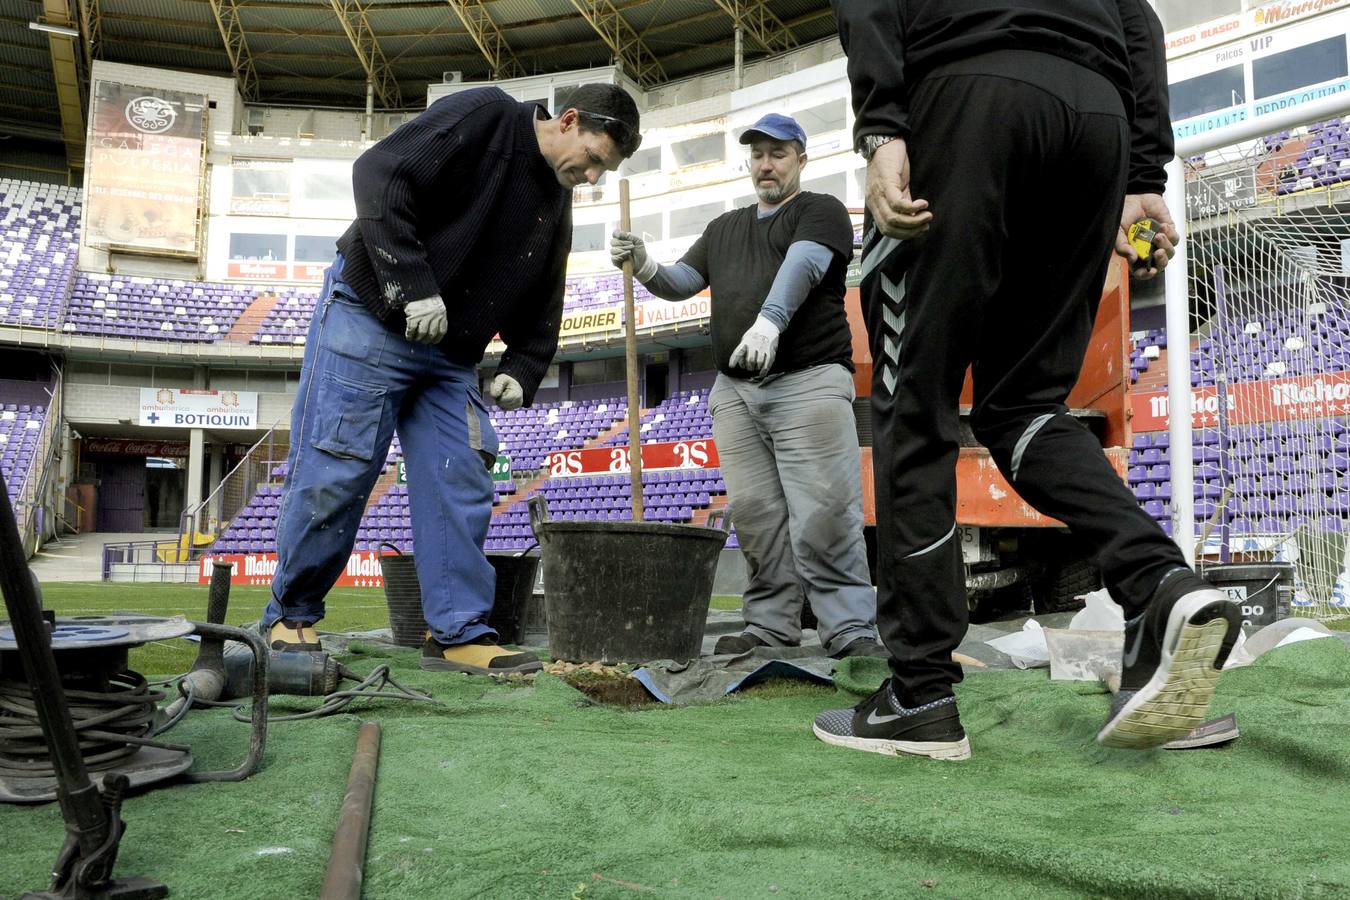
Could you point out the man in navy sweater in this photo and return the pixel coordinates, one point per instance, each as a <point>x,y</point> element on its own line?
<point>464,223</point>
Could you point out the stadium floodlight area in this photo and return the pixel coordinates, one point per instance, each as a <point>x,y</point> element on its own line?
<point>1267,274</point>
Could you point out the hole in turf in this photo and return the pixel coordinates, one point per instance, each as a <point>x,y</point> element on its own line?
<point>612,690</point>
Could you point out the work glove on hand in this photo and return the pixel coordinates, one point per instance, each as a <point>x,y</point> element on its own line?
<point>623,246</point>
<point>757,348</point>
<point>506,392</point>
<point>427,320</point>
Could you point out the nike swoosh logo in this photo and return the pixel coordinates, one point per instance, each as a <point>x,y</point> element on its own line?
<point>1132,655</point>
<point>874,719</point>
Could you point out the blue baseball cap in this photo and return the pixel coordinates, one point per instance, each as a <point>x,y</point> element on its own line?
<point>778,127</point>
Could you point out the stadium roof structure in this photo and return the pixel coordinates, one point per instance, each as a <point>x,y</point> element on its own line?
<point>322,52</point>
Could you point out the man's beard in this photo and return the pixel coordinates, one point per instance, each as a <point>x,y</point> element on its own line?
<point>771,194</point>
<point>775,193</point>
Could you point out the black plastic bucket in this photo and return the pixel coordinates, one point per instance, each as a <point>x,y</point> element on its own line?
<point>403,593</point>
<point>515,583</point>
<point>1263,591</point>
<point>626,591</point>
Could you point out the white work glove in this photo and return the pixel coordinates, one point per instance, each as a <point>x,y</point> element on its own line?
<point>427,320</point>
<point>757,348</point>
<point>506,392</point>
<point>623,246</point>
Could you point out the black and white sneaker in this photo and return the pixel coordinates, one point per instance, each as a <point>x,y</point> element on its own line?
<point>1174,652</point>
<point>880,724</point>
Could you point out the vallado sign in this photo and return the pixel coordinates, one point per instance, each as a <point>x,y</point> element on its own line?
<point>186,408</point>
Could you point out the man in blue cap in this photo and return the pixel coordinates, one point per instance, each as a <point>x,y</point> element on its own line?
<point>782,404</point>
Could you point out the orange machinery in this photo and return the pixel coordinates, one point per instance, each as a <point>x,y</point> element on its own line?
<point>1008,546</point>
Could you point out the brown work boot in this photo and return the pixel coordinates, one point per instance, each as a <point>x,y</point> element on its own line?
<point>294,637</point>
<point>476,658</point>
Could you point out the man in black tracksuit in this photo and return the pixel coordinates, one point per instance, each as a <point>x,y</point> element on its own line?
<point>1007,145</point>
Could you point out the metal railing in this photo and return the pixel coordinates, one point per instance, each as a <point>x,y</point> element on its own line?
<point>37,479</point>
<point>213,514</point>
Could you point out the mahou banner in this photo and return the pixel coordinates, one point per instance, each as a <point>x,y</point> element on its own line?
<point>362,569</point>
<point>1276,400</point>
<point>700,454</point>
<point>144,179</point>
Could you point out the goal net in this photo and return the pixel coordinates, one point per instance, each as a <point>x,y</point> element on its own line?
<point>1269,257</point>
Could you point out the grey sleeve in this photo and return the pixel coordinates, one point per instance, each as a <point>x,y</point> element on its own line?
<point>803,268</point>
<point>676,282</point>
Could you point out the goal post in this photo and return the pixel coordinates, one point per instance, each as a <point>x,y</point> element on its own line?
<point>1258,346</point>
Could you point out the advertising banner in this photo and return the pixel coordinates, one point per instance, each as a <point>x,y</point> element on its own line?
<point>590,321</point>
<point>362,569</point>
<point>1276,400</point>
<point>1248,22</point>
<point>128,447</point>
<point>257,270</point>
<point>312,271</point>
<point>180,408</point>
<point>700,454</point>
<point>143,184</point>
<point>659,313</point>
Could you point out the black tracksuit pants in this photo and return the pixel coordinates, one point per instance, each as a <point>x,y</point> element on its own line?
<point>1025,174</point>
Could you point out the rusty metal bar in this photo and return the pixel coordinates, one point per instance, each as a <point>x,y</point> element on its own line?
<point>347,862</point>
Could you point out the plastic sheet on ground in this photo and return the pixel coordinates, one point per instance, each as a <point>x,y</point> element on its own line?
<point>702,680</point>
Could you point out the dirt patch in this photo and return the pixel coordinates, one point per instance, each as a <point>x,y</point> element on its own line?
<point>606,685</point>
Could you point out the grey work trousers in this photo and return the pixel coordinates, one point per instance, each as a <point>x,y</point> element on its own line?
<point>789,456</point>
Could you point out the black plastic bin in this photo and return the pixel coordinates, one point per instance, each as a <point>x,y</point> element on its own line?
<point>402,591</point>
<point>1263,591</point>
<point>626,591</point>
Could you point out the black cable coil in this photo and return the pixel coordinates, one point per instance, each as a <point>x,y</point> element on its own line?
<point>110,725</point>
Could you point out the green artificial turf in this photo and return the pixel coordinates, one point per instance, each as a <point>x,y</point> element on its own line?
<point>520,792</point>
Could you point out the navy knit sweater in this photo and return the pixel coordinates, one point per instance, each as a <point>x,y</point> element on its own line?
<point>460,202</point>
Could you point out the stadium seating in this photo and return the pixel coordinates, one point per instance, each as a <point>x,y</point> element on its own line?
<point>1323,160</point>
<point>152,309</point>
<point>20,427</point>
<point>288,322</point>
<point>671,495</point>
<point>1290,474</point>
<point>38,227</point>
<point>528,435</point>
<point>592,291</point>
<point>683,416</point>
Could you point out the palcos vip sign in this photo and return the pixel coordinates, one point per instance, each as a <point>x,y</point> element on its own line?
<point>181,408</point>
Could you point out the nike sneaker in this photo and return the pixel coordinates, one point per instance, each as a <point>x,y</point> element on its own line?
<point>1174,652</point>
<point>880,724</point>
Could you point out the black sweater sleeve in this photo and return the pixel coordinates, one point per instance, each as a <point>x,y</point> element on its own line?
<point>389,182</point>
<point>871,35</point>
<point>1151,143</point>
<point>532,341</point>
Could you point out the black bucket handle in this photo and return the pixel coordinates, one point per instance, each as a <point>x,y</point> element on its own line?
<point>720,518</point>
<point>538,513</point>
<point>393,547</point>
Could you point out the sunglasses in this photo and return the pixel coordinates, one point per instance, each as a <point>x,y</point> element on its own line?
<point>626,135</point>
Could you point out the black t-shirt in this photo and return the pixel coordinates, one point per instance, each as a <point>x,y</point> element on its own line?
<point>739,255</point>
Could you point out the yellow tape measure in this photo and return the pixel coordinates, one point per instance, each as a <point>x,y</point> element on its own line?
<point>1141,236</point>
